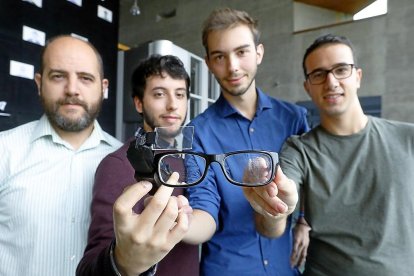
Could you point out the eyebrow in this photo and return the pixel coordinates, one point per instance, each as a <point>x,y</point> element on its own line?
<point>235,49</point>
<point>51,71</point>
<point>333,66</point>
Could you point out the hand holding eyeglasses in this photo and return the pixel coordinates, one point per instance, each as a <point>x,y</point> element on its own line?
<point>144,239</point>
<point>273,203</point>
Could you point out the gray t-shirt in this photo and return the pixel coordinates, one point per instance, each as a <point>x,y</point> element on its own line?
<point>359,198</point>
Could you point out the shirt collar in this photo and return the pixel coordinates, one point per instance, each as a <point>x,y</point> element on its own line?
<point>226,109</point>
<point>45,129</point>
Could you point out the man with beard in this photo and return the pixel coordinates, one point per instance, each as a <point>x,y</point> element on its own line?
<point>126,236</point>
<point>243,118</point>
<point>47,166</point>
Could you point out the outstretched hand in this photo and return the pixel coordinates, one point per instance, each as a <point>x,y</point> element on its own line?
<point>142,240</point>
<point>273,203</point>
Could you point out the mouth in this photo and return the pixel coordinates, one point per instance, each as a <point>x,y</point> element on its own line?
<point>234,80</point>
<point>171,118</point>
<point>333,97</point>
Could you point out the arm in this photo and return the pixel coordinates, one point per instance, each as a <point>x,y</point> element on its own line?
<point>109,201</point>
<point>273,203</point>
<point>202,227</point>
<point>301,237</point>
<point>112,176</point>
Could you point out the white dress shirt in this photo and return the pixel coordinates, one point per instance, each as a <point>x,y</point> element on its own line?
<point>45,196</point>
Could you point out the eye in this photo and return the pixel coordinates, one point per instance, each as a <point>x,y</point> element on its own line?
<point>218,58</point>
<point>57,76</point>
<point>341,70</point>
<point>86,78</point>
<point>242,53</point>
<point>181,95</point>
<point>317,74</point>
<point>158,93</point>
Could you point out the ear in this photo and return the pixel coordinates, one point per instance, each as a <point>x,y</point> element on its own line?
<point>105,85</point>
<point>38,80</point>
<point>307,88</point>
<point>358,72</point>
<point>207,61</point>
<point>259,53</point>
<point>138,104</point>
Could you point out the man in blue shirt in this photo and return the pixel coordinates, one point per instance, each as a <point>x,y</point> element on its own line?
<point>243,118</point>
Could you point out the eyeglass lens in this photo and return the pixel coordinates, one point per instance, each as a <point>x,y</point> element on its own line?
<point>342,71</point>
<point>247,169</point>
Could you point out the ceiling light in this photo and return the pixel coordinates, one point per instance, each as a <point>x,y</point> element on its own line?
<point>134,10</point>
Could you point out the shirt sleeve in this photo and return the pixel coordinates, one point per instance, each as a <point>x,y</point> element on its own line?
<point>112,176</point>
<point>291,161</point>
<point>204,196</point>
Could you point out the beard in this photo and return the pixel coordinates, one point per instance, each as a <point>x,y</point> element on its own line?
<point>169,132</point>
<point>235,92</point>
<point>66,123</point>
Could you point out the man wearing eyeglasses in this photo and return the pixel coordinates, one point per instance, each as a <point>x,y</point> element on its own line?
<point>356,173</point>
<point>131,234</point>
<point>235,221</point>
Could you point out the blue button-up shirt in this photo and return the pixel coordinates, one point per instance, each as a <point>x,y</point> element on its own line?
<point>236,248</point>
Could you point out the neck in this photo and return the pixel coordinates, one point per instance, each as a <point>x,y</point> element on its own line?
<point>75,139</point>
<point>246,104</point>
<point>345,125</point>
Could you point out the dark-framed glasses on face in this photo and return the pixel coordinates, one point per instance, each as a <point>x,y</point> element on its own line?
<point>244,168</point>
<point>341,71</point>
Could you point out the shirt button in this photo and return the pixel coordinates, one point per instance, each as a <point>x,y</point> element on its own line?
<point>266,262</point>
<point>251,129</point>
<point>73,220</point>
<point>73,258</point>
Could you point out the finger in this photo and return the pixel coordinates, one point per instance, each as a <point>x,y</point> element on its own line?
<point>167,219</point>
<point>269,194</point>
<point>156,204</point>
<point>180,229</point>
<point>283,183</point>
<point>182,202</point>
<point>259,200</point>
<point>122,208</point>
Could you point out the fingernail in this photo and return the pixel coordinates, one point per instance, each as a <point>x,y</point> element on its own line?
<point>147,185</point>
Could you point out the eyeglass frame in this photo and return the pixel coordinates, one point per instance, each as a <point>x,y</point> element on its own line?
<point>353,66</point>
<point>219,158</point>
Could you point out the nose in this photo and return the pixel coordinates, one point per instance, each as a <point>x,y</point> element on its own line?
<point>172,102</point>
<point>233,63</point>
<point>72,85</point>
<point>331,81</point>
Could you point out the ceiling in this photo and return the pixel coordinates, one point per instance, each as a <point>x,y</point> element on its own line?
<point>345,6</point>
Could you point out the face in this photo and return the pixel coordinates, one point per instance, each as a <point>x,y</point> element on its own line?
<point>233,59</point>
<point>334,98</point>
<point>70,86</point>
<point>164,103</point>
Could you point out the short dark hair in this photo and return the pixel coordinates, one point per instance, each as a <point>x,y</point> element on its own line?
<point>157,65</point>
<point>324,40</point>
<point>222,19</point>
<point>49,41</point>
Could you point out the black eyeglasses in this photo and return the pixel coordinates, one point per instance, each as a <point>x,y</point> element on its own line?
<point>341,71</point>
<point>244,168</point>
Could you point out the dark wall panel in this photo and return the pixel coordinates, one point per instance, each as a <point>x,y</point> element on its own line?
<point>54,17</point>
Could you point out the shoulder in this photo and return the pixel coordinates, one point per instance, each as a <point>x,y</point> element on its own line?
<point>116,157</point>
<point>307,139</point>
<point>391,127</point>
<point>112,140</point>
<point>205,117</point>
<point>20,135</point>
<point>287,107</point>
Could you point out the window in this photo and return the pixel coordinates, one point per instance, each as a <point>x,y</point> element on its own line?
<point>312,14</point>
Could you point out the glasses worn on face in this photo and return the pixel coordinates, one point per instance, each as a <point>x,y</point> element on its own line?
<point>243,168</point>
<point>341,71</point>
